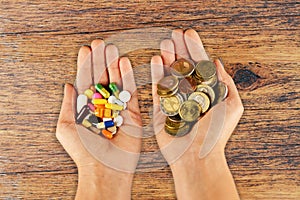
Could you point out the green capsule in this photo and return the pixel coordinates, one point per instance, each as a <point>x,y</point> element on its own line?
<point>114,88</point>
<point>102,90</point>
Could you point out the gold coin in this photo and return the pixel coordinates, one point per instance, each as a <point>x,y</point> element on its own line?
<point>207,90</point>
<point>190,111</point>
<point>170,105</point>
<point>221,92</point>
<point>211,82</point>
<point>180,131</point>
<point>182,68</point>
<point>174,124</point>
<point>205,69</point>
<point>167,86</point>
<point>202,99</point>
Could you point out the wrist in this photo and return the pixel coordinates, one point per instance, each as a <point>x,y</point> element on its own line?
<point>101,182</point>
<point>206,178</point>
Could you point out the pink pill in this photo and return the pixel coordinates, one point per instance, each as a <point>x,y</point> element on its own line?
<point>92,107</point>
<point>97,96</point>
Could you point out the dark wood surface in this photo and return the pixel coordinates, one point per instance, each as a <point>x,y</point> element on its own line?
<point>257,40</point>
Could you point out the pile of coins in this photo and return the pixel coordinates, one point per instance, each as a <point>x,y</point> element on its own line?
<point>99,111</point>
<point>188,93</point>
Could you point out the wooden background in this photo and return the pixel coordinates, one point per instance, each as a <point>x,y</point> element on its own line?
<point>257,40</point>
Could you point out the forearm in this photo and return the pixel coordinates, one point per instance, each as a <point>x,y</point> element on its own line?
<point>93,184</point>
<point>211,180</point>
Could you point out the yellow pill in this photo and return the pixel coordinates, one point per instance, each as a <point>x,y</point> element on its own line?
<point>113,106</point>
<point>102,90</point>
<point>99,101</point>
<point>115,113</point>
<point>86,123</point>
<point>89,93</point>
<point>107,113</point>
<point>112,129</point>
<point>101,125</point>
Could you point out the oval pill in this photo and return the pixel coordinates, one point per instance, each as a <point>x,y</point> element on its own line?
<point>112,129</point>
<point>124,96</point>
<point>102,90</point>
<point>108,124</point>
<point>119,102</point>
<point>114,88</point>
<point>113,106</point>
<point>86,123</point>
<point>101,125</point>
<point>97,96</point>
<point>107,134</point>
<point>118,120</point>
<point>115,113</point>
<point>91,107</point>
<point>83,113</point>
<point>81,102</point>
<point>99,101</point>
<point>89,93</point>
<point>93,88</point>
<point>111,99</point>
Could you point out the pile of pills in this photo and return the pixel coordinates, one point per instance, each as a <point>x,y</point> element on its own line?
<point>99,110</point>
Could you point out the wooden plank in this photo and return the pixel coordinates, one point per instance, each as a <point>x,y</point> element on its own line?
<point>261,144</point>
<point>259,184</point>
<point>68,17</point>
<point>258,42</point>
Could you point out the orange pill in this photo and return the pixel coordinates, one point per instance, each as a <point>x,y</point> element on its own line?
<point>99,112</point>
<point>107,134</point>
<point>93,88</point>
<point>100,106</point>
<point>107,113</point>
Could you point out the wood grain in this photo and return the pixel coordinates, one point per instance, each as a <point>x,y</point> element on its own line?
<point>257,40</point>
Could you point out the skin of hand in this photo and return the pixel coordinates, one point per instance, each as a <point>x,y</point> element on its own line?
<point>100,63</point>
<point>197,160</point>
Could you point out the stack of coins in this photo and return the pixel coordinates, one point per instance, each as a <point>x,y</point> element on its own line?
<point>188,93</point>
<point>99,110</point>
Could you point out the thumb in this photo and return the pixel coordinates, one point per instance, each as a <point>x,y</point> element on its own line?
<point>157,73</point>
<point>67,107</point>
<point>226,78</point>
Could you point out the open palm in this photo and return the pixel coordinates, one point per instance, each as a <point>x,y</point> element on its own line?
<point>101,64</point>
<point>213,130</point>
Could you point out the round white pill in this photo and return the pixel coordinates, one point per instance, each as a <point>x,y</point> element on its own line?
<point>118,120</point>
<point>81,101</point>
<point>112,99</point>
<point>124,96</point>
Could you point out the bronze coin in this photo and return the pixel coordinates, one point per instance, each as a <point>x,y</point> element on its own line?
<point>182,68</point>
<point>167,85</point>
<point>187,86</point>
